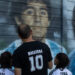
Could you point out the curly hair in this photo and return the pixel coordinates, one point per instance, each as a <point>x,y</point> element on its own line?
<point>5,60</point>
<point>63,60</point>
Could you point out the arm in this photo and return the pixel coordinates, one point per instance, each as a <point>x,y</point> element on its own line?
<point>17,62</point>
<point>49,56</point>
<point>17,71</point>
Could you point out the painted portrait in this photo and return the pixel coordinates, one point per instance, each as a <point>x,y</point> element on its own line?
<point>48,21</point>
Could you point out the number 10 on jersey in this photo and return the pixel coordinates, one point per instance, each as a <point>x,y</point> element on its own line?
<point>38,65</point>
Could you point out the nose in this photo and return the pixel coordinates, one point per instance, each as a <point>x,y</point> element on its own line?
<point>37,16</point>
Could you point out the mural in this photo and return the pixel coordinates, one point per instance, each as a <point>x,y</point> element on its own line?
<point>69,31</point>
<point>51,21</point>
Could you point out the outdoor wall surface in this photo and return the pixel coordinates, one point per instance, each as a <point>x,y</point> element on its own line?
<point>52,21</point>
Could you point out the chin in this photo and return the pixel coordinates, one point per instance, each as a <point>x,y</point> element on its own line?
<point>37,38</point>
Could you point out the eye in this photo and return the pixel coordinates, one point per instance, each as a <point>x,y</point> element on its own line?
<point>43,12</point>
<point>29,12</point>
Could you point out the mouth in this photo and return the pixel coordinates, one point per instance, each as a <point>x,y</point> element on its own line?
<point>37,23</point>
<point>37,28</point>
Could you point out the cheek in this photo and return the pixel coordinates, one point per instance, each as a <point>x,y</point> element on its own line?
<point>44,30</point>
<point>44,21</point>
<point>28,20</point>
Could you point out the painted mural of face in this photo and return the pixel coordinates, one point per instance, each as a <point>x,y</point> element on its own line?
<point>37,17</point>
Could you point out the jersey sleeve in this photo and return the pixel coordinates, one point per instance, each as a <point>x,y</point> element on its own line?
<point>16,60</point>
<point>54,73</point>
<point>70,73</point>
<point>12,47</point>
<point>49,54</point>
<point>11,73</point>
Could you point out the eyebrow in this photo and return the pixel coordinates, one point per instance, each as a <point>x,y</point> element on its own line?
<point>43,8</point>
<point>29,7</point>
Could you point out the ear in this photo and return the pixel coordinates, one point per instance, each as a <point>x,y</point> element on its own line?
<point>18,22</point>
